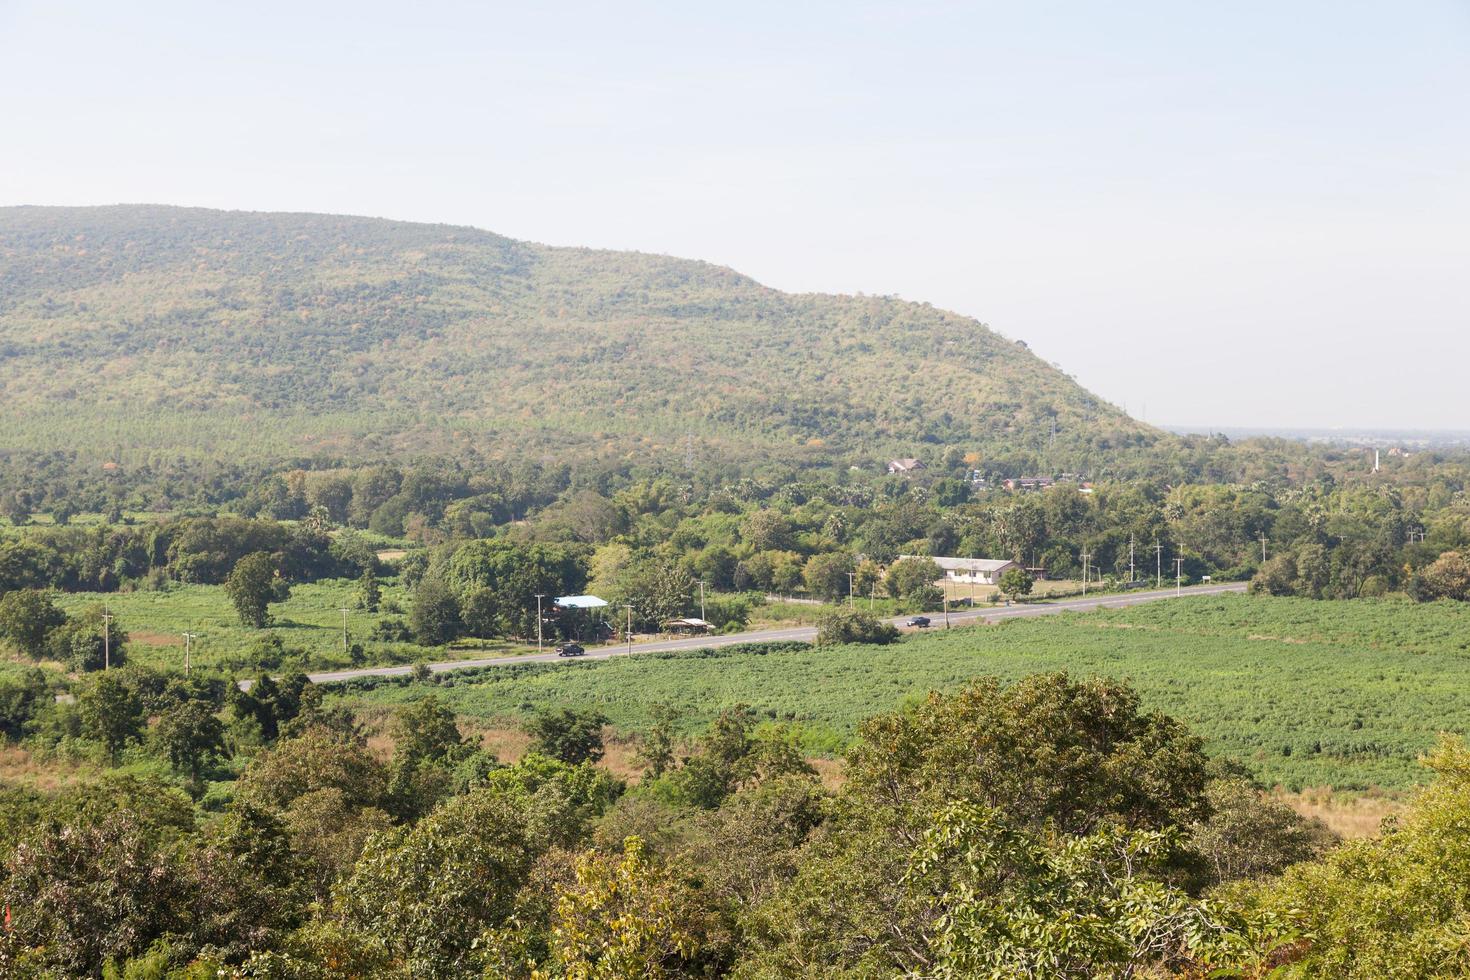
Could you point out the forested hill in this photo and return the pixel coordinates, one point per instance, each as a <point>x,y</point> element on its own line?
<point>133,331</point>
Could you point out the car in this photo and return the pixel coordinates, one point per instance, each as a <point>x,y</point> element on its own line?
<point>570,650</point>
<point>922,622</point>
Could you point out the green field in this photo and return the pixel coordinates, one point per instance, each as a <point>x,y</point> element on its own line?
<point>310,621</point>
<point>1340,694</point>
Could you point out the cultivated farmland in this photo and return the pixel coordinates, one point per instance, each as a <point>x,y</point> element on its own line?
<point>1341,694</point>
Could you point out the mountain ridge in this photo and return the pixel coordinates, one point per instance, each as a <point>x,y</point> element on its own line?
<point>136,329</point>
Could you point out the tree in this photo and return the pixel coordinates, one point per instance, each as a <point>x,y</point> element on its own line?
<point>658,590</point>
<point>1027,773</point>
<point>252,586</point>
<point>369,592</point>
<point>913,579</point>
<point>27,617</point>
<point>249,886</point>
<point>766,530</point>
<point>569,735</point>
<point>844,625</point>
<point>1248,836</point>
<point>83,893</point>
<point>1278,576</point>
<point>1016,582</point>
<point>622,916</point>
<point>90,642</point>
<point>190,736</point>
<point>1012,903</point>
<point>826,575</point>
<point>22,694</point>
<point>435,616</point>
<point>1447,577</point>
<point>431,890</point>
<point>656,751</point>
<point>1387,907</point>
<point>481,613</point>
<point>270,703</point>
<point>112,713</point>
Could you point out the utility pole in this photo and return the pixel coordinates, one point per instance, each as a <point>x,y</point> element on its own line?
<point>539,597</point>
<point>1178,576</point>
<point>701,598</point>
<point>1263,547</point>
<point>106,640</point>
<point>851,580</point>
<point>1085,558</point>
<point>629,631</point>
<point>1158,565</point>
<point>1130,557</point>
<point>872,595</point>
<point>343,611</point>
<point>946,602</point>
<point>188,644</point>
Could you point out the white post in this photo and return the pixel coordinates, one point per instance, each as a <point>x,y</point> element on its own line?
<point>106,640</point>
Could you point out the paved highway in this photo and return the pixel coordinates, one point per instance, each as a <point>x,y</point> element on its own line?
<point>988,614</point>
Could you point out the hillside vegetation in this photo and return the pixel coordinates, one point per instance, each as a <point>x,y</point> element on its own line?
<point>137,333</point>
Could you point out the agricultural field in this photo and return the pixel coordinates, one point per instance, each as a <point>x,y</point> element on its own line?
<point>1306,694</point>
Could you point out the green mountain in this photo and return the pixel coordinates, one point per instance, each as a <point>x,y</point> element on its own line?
<point>134,331</point>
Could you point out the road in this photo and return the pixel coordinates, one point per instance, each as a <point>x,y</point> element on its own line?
<point>969,617</point>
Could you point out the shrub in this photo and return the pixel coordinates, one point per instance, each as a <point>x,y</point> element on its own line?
<point>853,626</point>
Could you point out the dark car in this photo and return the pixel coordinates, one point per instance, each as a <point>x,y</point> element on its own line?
<point>570,650</point>
<point>922,622</point>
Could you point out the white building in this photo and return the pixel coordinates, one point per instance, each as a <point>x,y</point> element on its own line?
<point>971,571</point>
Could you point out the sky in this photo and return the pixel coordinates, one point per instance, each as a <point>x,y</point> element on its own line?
<point>1212,214</point>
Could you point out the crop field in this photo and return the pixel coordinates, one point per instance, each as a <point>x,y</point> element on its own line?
<point>309,621</point>
<point>1335,694</point>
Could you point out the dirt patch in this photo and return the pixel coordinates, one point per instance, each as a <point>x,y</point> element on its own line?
<point>155,639</point>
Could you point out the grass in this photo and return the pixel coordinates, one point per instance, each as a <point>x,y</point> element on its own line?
<point>1306,694</point>
<point>310,621</point>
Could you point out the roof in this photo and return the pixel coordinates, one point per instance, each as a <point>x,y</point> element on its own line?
<point>694,621</point>
<point>905,464</point>
<point>579,602</point>
<point>968,564</point>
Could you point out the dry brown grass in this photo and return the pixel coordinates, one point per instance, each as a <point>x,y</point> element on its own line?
<point>830,772</point>
<point>21,767</point>
<point>1350,816</point>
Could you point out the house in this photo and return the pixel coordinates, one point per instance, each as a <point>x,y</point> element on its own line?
<point>971,571</point>
<point>903,467</point>
<point>1030,483</point>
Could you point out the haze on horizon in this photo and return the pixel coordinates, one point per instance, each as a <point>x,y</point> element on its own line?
<point>1243,216</point>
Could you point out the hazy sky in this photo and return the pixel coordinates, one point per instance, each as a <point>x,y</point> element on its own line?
<point>1243,213</point>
